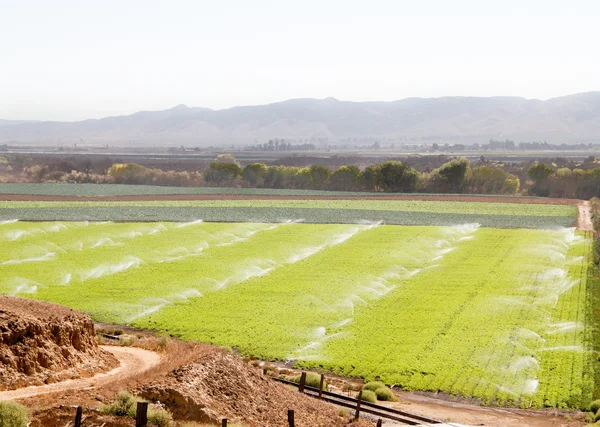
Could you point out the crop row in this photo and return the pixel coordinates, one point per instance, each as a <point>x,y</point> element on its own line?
<point>99,190</point>
<point>254,214</point>
<point>423,206</point>
<point>500,315</point>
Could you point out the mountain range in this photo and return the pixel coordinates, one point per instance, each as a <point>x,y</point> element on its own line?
<point>568,119</point>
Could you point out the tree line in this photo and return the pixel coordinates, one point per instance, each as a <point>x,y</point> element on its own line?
<point>455,176</point>
<point>556,178</point>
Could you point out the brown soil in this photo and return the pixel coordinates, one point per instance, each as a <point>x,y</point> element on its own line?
<point>220,385</point>
<point>132,362</point>
<point>474,415</point>
<point>64,416</point>
<point>44,343</point>
<point>584,217</point>
<point>461,198</point>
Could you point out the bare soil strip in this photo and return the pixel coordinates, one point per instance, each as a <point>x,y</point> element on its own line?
<point>134,361</point>
<point>584,217</point>
<point>175,197</point>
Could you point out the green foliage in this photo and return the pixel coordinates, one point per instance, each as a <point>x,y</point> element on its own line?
<point>367,396</point>
<point>403,212</point>
<point>381,391</point>
<point>452,176</point>
<point>13,414</point>
<point>123,405</point>
<point>345,178</point>
<point>595,406</point>
<point>255,174</point>
<point>312,380</point>
<point>159,416</point>
<point>373,385</point>
<point>398,177</point>
<point>385,394</point>
<point>320,176</point>
<point>540,172</point>
<point>371,178</point>
<point>481,301</point>
<point>222,173</point>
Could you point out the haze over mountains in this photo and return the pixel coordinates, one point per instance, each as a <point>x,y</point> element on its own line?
<point>568,119</point>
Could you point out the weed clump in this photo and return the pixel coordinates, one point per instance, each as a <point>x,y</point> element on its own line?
<point>367,396</point>
<point>125,405</point>
<point>312,380</point>
<point>13,414</point>
<point>385,394</point>
<point>373,385</point>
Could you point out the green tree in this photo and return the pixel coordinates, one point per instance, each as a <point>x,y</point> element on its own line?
<point>540,174</point>
<point>255,174</point>
<point>345,178</point>
<point>398,177</point>
<point>320,175</point>
<point>452,176</point>
<point>371,179</point>
<point>222,173</point>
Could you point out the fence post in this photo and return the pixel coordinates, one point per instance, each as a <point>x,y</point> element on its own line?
<point>224,422</point>
<point>357,414</point>
<point>291,418</point>
<point>141,414</point>
<point>321,386</point>
<point>78,416</point>
<point>379,422</point>
<point>302,382</point>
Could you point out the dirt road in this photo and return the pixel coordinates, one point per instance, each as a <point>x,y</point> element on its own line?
<point>133,362</point>
<point>584,217</point>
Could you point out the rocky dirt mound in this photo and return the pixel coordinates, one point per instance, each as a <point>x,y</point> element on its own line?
<point>43,343</point>
<point>221,385</point>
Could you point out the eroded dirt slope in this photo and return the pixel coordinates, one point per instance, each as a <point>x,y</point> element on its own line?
<point>43,343</point>
<point>220,385</point>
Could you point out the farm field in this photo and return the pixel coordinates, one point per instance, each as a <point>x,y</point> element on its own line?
<point>503,315</point>
<point>107,190</point>
<point>399,212</point>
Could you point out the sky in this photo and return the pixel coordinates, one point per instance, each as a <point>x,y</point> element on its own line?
<point>73,60</point>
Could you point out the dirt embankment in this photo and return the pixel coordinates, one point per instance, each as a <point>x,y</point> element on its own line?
<point>44,343</point>
<point>220,385</point>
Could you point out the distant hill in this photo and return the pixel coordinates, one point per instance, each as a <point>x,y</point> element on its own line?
<point>568,119</point>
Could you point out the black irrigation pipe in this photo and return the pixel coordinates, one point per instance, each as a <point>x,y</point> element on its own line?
<point>378,410</point>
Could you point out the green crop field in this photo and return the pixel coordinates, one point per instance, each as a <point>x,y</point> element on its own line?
<point>399,212</point>
<point>502,315</point>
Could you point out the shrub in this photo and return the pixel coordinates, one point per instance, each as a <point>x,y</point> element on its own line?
<point>312,380</point>
<point>13,414</point>
<point>373,385</point>
<point>368,396</point>
<point>123,405</point>
<point>159,416</point>
<point>594,406</point>
<point>385,394</point>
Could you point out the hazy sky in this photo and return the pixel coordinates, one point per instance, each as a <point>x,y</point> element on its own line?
<point>71,60</point>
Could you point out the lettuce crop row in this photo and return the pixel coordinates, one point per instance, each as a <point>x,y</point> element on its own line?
<point>502,315</point>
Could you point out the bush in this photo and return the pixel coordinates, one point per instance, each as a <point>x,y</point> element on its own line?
<point>13,414</point>
<point>123,405</point>
<point>368,396</point>
<point>312,380</point>
<point>159,416</point>
<point>385,394</point>
<point>373,385</point>
<point>594,406</point>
